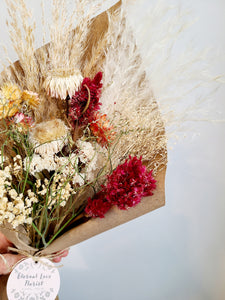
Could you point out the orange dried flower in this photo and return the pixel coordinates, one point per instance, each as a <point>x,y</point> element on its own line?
<point>30,98</point>
<point>101,129</point>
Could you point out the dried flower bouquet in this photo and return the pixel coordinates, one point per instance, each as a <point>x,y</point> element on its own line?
<point>82,139</point>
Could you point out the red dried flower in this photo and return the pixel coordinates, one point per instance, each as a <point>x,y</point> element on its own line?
<point>129,183</point>
<point>98,206</point>
<point>101,129</point>
<point>80,110</point>
<point>125,188</point>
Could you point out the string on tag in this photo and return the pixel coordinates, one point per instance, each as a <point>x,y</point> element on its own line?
<point>37,258</point>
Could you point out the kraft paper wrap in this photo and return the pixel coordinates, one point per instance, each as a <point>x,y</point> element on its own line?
<point>115,216</point>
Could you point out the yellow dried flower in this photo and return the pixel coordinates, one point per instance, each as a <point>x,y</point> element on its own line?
<point>30,98</point>
<point>10,100</point>
<point>11,92</point>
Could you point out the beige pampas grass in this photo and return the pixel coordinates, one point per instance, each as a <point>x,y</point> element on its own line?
<point>128,100</point>
<point>64,52</point>
<point>21,30</point>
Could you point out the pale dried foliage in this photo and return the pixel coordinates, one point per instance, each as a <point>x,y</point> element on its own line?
<point>65,50</point>
<point>97,57</point>
<point>175,77</point>
<point>23,41</point>
<point>63,54</point>
<point>181,76</point>
<point>67,45</point>
<point>128,100</point>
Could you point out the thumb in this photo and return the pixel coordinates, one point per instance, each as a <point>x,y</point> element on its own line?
<point>8,261</point>
<point>4,243</point>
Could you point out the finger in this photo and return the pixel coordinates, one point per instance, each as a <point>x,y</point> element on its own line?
<point>57,259</point>
<point>4,243</point>
<point>8,261</point>
<point>62,254</point>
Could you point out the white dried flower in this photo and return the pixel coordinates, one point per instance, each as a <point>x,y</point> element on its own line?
<point>39,164</point>
<point>13,194</point>
<point>78,179</point>
<point>6,173</point>
<point>28,221</point>
<point>49,137</point>
<point>3,203</point>
<point>19,205</point>
<point>43,192</point>
<point>10,206</point>
<point>13,207</point>
<point>63,203</point>
<point>89,157</point>
<point>18,165</point>
<point>20,219</point>
<point>17,157</point>
<point>2,158</point>
<point>60,83</point>
<point>38,183</point>
<point>9,216</point>
<point>86,151</point>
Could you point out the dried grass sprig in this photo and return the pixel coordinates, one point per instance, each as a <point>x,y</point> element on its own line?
<point>23,41</point>
<point>127,92</point>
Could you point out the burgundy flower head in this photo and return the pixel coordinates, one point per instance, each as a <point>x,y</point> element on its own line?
<point>129,183</point>
<point>80,110</point>
<point>98,206</point>
<point>125,187</point>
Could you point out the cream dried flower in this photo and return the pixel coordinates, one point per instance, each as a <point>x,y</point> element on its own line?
<point>49,137</point>
<point>13,207</point>
<point>61,83</point>
<point>3,203</point>
<point>88,155</point>
<point>38,164</point>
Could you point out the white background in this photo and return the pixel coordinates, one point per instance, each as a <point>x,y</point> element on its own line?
<point>176,252</point>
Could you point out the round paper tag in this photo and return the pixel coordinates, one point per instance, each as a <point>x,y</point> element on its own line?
<point>31,280</point>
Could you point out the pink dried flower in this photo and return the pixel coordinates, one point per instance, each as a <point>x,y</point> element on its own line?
<point>21,118</point>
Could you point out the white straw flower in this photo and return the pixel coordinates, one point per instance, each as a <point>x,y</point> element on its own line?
<point>61,83</point>
<point>39,164</point>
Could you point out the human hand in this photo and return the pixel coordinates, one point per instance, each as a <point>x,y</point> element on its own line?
<point>7,260</point>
